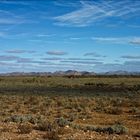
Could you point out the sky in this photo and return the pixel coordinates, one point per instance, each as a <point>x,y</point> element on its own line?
<point>83,35</point>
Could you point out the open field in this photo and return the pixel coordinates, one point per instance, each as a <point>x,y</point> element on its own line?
<point>69,108</point>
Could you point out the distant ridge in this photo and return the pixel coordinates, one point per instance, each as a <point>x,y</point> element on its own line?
<point>68,72</point>
<point>121,73</point>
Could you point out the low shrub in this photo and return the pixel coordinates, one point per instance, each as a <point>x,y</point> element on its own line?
<point>62,122</point>
<point>23,119</point>
<point>24,128</point>
<point>115,129</point>
<point>45,126</point>
<point>119,129</point>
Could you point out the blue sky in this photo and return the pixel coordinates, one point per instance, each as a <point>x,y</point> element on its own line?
<point>85,35</point>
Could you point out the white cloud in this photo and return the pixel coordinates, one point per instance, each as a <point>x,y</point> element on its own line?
<point>131,56</point>
<point>136,40</point>
<point>9,17</point>
<point>75,38</point>
<point>19,51</point>
<point>56,53</point>
<point>105,38</point>
<point>119,40</point>
<point>91,12</point>
<point>10,21</point>
<point>64,3</point>
<point>94,54</point>
<point>14,2</point>
<point>45,35</point>
<point>6,35</point>
<point>130,66</point>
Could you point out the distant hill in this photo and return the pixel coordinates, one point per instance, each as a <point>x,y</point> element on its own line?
<point>121,73</point>
<point>69,72</point>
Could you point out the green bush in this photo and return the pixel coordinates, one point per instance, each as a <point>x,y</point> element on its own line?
<point>115,129</point>
<point>45,126</point>
<point>62,122</point>
<point>23,118</point>
<point>119,129</point>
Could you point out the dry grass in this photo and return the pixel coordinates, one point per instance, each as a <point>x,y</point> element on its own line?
<point>73,115</point>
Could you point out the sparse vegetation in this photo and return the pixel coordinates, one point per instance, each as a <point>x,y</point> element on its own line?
<point>69,108</point>
<point>25,128</point>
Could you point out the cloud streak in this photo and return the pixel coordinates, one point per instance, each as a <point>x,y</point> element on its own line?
<point>82,62</point>
<point>19,51</point>
<point>8,58</point>
<point>56,53</point>
<point>93,54</point>
<point>135,41</point>
<point>118,40</point>
<point>14,2</point>
<point>131,57</point>
<point>91,12</point>
<point>130,66</point>
<point>7,17</point>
